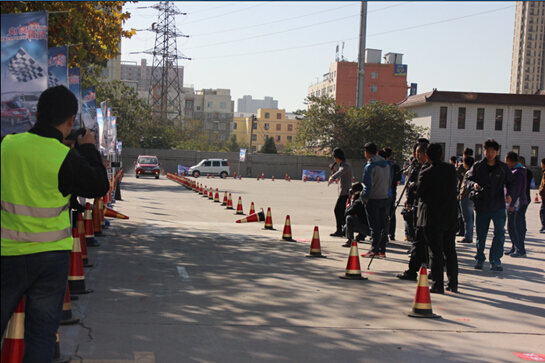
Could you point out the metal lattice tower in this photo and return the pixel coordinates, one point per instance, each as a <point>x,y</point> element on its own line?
<point>165,92</point>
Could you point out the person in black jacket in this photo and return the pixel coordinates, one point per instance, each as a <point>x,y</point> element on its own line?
<point>438,216</point>
<point>355,214</point>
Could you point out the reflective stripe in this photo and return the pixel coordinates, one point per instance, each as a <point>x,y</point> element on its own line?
<point>23,210</point>
<point>36,237</point>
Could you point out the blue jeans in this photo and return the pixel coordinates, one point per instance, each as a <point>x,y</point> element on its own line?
<point>498,217</point>
<point>377,215</point>
<point>42,277</point>
<point>516,225</point>
<point>466,205</point>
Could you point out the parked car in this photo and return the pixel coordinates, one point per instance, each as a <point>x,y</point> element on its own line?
<point>147,164</point>
<point>28,101</point>
<point>14,112</point>
<point>210,167</point>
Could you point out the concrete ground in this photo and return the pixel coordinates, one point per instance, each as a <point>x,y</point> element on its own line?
<point>181,282</point>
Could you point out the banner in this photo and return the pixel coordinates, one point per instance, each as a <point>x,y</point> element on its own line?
<point>119,147</point>
<point>182,170</point>
<point>23,69</point>
<point>313,175</point>
<point>112,135</point>
<point>100,132</point>
<point>89,109</point>
<point>74,83</point>
<point>57,67</point>
<point>242,156</point>
<point>103,126</point>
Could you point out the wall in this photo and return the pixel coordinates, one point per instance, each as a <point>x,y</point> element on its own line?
<point>270,164</point>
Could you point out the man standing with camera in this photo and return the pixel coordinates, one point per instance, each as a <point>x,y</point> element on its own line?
<point>487,178</point>
<point>39,174</point>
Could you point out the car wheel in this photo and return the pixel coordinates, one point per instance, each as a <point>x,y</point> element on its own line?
<point>137,176</point>
<point>157,177</point>
<point>196,174</point>
<point>223,175</point>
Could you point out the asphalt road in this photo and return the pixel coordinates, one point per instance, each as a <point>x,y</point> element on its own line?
<point>181,282</point>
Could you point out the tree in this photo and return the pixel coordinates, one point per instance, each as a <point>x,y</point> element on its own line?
<point>93,29</point>
<point>326,125</point>
<point>269,147</point>
<point>232,144</point>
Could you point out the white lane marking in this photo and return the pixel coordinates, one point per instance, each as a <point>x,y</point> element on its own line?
<point>182,272</point>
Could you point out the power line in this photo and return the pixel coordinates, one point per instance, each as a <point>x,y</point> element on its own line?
<point>227,13</point>
<point>354,38</point>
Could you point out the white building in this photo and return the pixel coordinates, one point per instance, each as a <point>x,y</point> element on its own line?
<point>466,119</point>
<point>248,104</point>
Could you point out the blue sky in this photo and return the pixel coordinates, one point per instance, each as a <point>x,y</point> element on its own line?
<point>279,48</point>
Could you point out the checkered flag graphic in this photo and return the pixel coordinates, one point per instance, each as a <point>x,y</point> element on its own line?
<point>24,68</point>
<point>52,80</point>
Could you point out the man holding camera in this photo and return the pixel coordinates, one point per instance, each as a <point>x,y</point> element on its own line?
<point>39,174</point>
<point>487,178</point>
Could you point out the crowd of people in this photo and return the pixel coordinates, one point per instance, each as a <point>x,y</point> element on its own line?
<point>442,200</point>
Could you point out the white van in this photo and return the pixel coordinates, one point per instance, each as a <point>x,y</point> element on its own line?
<point>210,167</point>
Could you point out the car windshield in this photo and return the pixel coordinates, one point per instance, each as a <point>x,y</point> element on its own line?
<point>13,104</point>
<point>147,160</point>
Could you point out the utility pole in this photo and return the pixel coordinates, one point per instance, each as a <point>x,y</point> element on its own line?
<point>361,56</point>
<point>249,159</point>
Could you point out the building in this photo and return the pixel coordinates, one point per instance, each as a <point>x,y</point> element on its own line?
<point>269,122</point>
<point>247,104</point>
<point>466,119</point>
<point>213,107</point>
<point>386,82</point>
<point>528,59</point>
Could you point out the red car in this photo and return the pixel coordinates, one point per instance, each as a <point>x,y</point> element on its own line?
<point>14,112</point>
<point>147,164</point>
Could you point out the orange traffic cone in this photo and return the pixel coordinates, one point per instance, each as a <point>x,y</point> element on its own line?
<point>211,194</point>
<point>201,190</point>
<point>263,176</point>
<point>536,200</point>
<point>286,233</point>
<point>229,203</point>
<point>286,177</point>
<point>239,206</point>
<point>305,178</point>
<point>255,217</point>
<point>101,212</point>
<point>76,276</point>
<point>217,196</point>
<point>240,177</point>
<point>82,241</point>
<point>88,225</point>
<point>268,220</point>
<point>252,208</point>
<point>67,318</point>
<point>224,198</point>
<point>207,176</point>
<point>13,347</point>
<point>317,179</point>
<point>257,177</point>
<point>205,192</point>
<point>353,269</point>
<point>234,175</point>
<point>272,178</point>
<point>315,249</point>
<point>97,226</point>
<point>109,212</point>
<point>422,300</point>
<point>57,358</point>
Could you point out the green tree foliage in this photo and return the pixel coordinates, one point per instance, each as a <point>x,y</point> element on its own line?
<point>135,124</point>
<point>232,144</point>
<point>269,147</point>
<point>326,125</point>
<point>93,28</point>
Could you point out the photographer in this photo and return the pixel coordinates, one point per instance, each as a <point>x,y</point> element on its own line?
<point>39,175</point>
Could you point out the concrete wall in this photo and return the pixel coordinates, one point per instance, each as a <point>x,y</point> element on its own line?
<point>270,164</point>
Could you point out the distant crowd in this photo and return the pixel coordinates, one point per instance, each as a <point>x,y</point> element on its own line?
<point>442,200</point>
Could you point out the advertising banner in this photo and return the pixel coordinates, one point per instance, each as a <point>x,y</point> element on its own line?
<point>313,175</point>
<point>100,131</point>
<point>23,69</point>
<point>182,170</point>
<point>119,147</point>
<point>57,67</point>
<point>400,70</point>
<point>74,83</point>
<point>242,156</point>
<point>89,109</point>
<point>112,135</point>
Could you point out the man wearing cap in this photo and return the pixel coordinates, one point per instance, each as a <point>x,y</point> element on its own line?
<point>345,175</point>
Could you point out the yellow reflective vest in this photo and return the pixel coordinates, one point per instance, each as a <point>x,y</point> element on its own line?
<point>35,215</point>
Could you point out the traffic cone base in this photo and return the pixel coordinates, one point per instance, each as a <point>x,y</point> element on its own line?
<point>92,242</point>
<point>422,300</point>
<point>353,269</point>
<point>66,317</point>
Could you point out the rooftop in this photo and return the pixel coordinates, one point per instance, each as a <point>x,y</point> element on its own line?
<point>474,97</point>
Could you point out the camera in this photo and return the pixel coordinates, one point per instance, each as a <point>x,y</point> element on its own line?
<point>75,133</point>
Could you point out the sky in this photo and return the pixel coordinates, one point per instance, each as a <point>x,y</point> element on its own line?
<point>280,48</point>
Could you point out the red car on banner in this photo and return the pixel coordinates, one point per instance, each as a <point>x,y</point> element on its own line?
<point>14,113</point>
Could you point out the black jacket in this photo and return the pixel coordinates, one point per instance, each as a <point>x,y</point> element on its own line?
<point>437,203</point>
<point>82,172</point>
<point>356,208</point>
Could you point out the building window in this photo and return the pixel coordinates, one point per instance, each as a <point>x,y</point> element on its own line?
<point>265,137</point>
<point>254,137</point>
<point>459,149</point>
<point>372,101</point>
<point>443,117</point>
<point>444,148</point>
<point>499,119</point>
<point>278,137</point>
<point>267,115</point>
<point>198,108</point>
<point>517,124</point>
<point>290,138</point>
<point>279,116</point>
<point>188,104</point>
<point>461,118</point>
<point>374,75</point>
<point>290,127</point>
<point>478,152</point>
<point>537,121</point>
<point>480,118</point>
<point>209,104</point>
<point>254,125</point>
<point>516,149</point>
<point>235,125</point>
<point>374,88</point>
<point>534,151</point>
<point>278,127</point>
<point>266,126</point>
<point>223,105</point>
